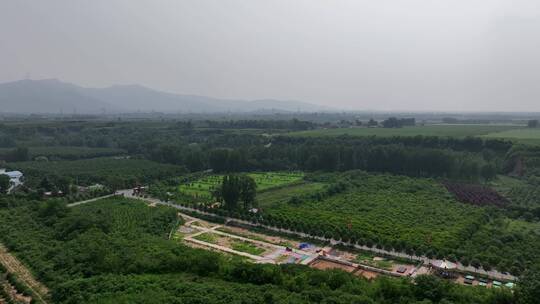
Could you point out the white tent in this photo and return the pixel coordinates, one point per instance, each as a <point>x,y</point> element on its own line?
<point>444,264</point>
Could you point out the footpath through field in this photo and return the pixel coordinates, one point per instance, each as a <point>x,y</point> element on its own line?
<point>493,274</point>
<point>13,266</point>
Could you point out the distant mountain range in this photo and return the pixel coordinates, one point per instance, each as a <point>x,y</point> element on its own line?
<point>54,96</point>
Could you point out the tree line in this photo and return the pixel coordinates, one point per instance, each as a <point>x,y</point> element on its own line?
<point>236,188</point>
<point>466,159</point>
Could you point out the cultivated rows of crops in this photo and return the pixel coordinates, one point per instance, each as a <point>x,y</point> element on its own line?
<point>203,187</point>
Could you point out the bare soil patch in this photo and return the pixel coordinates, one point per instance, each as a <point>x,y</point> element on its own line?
<point>370,275</point>
<point>14,266</point>
<point>324,265</point>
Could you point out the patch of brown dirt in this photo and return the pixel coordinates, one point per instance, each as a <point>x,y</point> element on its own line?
<point>324,265</point>
<point>370,275</point>
<point>14,266</point>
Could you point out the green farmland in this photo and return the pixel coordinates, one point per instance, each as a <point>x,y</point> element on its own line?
<point>412,214</point>
<point>203,187</point>
<point>428,130</point>
<point>527,136</point>
<point>419,212</point>
<point>284,194</point>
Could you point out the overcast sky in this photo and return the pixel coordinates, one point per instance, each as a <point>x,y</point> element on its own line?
<point>455,55</point>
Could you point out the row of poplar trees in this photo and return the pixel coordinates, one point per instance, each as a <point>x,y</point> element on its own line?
<point>236,188</point>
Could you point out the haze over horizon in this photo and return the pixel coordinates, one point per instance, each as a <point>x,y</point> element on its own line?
<point>423,55</point>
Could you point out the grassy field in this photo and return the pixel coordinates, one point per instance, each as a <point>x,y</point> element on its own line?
<point>517,133</point>
<point>203,187</point>
<point>526,135</point>
<point>284,194</point>
<point>428,130</point>
<point>206,237</point>
<point>367,258</point>
<point>235,244</point>
<point>247,247</point>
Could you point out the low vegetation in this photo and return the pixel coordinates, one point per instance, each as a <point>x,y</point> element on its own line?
<point>247,247</point>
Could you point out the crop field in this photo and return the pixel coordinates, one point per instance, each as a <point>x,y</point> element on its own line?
<point>388,210</point>
<point>414,215</point>
<point>427,130</point>
<point>202,188</point>
<point>524,135</point>
<point>284,194</point>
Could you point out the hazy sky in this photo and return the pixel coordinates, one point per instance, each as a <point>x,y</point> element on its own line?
<point>378,54</point>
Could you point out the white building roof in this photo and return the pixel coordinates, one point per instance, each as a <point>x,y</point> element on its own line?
<point>444,264</point>
<point>13,174</point>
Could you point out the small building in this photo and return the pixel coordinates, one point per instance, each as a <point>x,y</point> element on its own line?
<point>15,177</point>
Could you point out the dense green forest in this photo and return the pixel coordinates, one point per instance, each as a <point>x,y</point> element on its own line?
<point>228,150</point>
